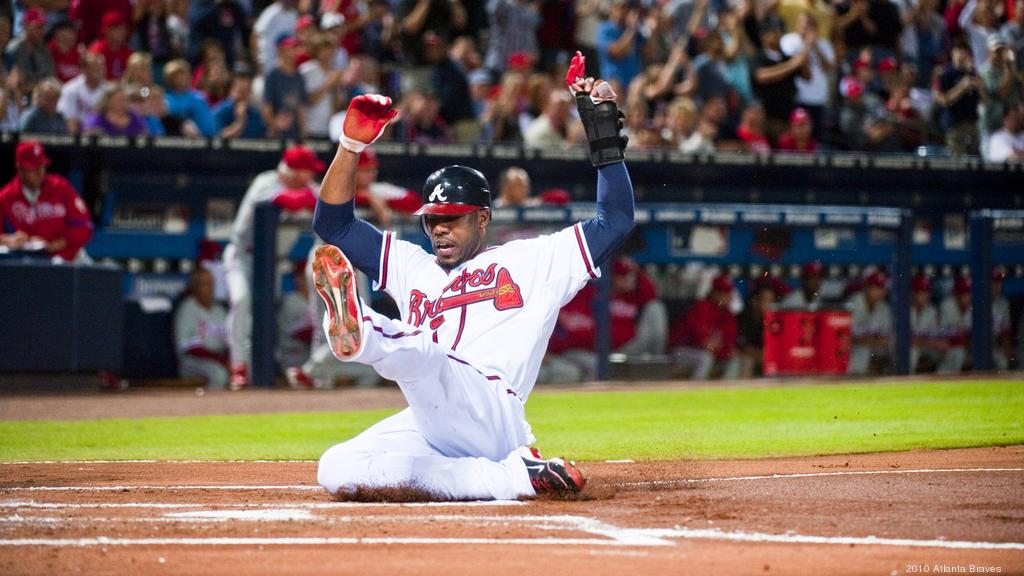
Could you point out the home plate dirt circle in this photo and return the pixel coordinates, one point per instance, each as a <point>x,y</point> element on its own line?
<point>955,511</point>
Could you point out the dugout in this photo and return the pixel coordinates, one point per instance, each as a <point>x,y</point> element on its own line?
<point>154,198</point>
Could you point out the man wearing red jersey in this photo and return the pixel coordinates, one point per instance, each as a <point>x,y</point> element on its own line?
<point>114,44</point>
<point>706,336</point>
<point>42,210</point>
<point>639,325</point>
<point>63,46</point>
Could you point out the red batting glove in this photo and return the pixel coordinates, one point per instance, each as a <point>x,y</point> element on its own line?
<point>365,121</point>
<point>575,72</point>
<point>296,200</point>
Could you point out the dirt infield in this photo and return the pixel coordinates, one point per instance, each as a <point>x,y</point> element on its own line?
<point>957,511</point>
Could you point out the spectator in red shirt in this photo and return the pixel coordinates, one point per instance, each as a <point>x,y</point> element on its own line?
<point>798,138</point>
<point>63,46</point>
<point>307,33</point>
<point>705,337</point>
<point>89,15</point>
<point>41,211</point>
<point>751,130</point>
<point>113,45</point>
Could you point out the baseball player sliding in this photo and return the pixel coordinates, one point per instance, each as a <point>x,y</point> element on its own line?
<point>476,319</point>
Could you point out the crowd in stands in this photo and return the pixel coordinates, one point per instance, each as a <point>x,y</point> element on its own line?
<point>692,75</point>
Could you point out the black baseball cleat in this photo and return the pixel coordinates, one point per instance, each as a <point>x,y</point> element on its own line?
<point>552,476</point>
<point>335,281</point>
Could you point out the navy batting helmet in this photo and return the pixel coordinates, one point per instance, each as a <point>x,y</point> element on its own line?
<point>455,190</point>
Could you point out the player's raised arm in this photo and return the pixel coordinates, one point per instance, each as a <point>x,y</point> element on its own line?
<point>334,220</point>
<point>365,120</point>
<point>603,122</point>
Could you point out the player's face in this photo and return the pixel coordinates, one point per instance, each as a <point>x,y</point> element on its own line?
<point>721,298</point>
<point>964,300</point>
<point>32,178</point>
<point>875,293</point>
<point>922,298</point>
<point>202,288</point>
<point>297,179</point>
<point>457,238</point>
<point>812,283</point>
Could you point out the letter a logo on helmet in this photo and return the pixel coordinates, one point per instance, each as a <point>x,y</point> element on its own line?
<point>438,194</point>
<point>455,190</point>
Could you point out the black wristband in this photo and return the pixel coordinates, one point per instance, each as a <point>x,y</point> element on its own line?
<point>602,123</point>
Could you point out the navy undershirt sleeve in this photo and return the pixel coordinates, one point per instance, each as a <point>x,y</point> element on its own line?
<point>614,219</point>
<point>358,239</point>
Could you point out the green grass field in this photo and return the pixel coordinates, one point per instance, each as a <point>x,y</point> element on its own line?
<point>696,423</point>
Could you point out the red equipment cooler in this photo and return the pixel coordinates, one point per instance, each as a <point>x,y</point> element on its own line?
<point>833,341</point>
<point>789,343</point>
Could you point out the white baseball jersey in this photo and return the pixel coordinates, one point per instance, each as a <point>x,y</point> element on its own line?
<point>1000,316</point>
<point>264,188</point>
<point>924,323</point>
<point>869,322</point>
<point>956,322</point>
<point>293,318</point>
<point>797,300</point>
<point>195,326</point>
<point>496,310</point>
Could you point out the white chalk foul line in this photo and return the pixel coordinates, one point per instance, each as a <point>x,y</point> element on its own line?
<point>816,475</point>
<point>633,537</point>
<point>128,488</point>
<point>298,541</point>
<point>27,462</point>
<point>304,505</point>
<point>711,534</point>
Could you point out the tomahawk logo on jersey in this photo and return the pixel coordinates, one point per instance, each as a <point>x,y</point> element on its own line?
<point>503,295</point>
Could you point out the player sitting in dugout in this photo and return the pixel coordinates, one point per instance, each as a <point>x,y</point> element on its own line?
<point>475,320</point>
<point>706,336</point>
<point>955,322</point>
<point>42,212</point>
<point>638,322</point>
<point>870,327</point>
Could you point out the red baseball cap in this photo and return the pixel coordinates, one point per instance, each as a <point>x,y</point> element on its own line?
<point>111,19</point>
<point>860,64</point>
<point>33,16</point>
<point>887,64</point>
<point>998,274</point>
<point>850,87</point>
<point>877,279</point>
<point>304,21</point>
<point>921,283</point>
<point>813,268</point>
<point>798,116</point>
<point>301,158</point>
<point>722,283</point>
<point>962,285</point>
<point>368,159</point>
<point>520,61</point>
<point>621,267</point>
<point>30,155</point>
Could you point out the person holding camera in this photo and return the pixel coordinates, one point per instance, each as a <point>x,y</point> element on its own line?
<point>959,90</point>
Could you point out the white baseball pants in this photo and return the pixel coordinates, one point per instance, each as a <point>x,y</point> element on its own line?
<point>459,437</point>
